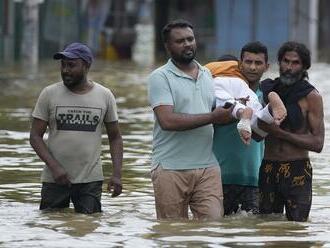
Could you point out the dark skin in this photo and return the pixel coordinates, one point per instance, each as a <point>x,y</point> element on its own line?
<point>181,46</point>
<point>74,75</point>
<point>285,145</point>
<point>253,66</point>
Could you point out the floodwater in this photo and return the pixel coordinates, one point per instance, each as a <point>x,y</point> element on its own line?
<point>129,220</point>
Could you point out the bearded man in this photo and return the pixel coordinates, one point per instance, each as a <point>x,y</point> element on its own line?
<point>285,175</point>
<point>184,171</point>
<point>75,111</point>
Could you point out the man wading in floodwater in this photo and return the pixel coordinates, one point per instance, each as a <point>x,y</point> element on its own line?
<point>185,172</point>
<point>75,111</point>
<point>285,175</point>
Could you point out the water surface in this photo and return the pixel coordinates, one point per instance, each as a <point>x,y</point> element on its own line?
<point>129,220</point>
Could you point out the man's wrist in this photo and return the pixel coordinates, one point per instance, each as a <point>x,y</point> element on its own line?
<point>115,179</point>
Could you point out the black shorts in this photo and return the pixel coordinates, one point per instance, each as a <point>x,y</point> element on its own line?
<point>239,196</point>
<point>86,197</point>
<point>286,184</point>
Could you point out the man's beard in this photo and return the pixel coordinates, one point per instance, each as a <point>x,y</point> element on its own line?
<point>288,78</point>
<point>184,58</point>
<point>72,81</point>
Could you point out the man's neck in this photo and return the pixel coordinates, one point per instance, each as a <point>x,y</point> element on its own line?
<point>254,85</point>
<point>82,88</point>
<point>190,69</point>
<point>186,67</point>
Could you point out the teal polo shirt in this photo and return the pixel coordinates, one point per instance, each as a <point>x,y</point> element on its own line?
<point>181,150</point>
<point>239,163</point>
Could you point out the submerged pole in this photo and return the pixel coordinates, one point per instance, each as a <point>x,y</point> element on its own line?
<point>30,39</point>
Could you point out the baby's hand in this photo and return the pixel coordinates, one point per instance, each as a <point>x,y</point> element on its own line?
<point>245,136</point>
<point>244,130</point>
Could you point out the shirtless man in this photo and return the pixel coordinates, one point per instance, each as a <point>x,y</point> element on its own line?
<point>285,175</point>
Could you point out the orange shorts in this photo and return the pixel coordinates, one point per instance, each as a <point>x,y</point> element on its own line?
<point>199,189</point>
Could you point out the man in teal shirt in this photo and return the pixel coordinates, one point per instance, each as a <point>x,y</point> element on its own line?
<point>239,162</point>
<point>185,172</point>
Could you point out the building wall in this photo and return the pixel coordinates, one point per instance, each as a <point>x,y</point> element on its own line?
<point>241,21</point>
<point>221,26</point>
<point>303,24</point>
<point>201,15</point>
<point>324,31</point>
<point>7,30</point>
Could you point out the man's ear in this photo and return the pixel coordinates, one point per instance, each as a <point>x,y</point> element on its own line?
<point>267,66</point>
<point>166,48</point>
<point>87,66</point>
<point>239,64</point>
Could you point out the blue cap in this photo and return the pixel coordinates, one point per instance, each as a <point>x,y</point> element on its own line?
<point>76,51</point>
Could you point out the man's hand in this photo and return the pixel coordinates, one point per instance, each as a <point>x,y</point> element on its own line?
<point>271,129</point>
<point>60,176</point>
<point>115,186</point>
<point>222,115</point>
<point>37,132</point>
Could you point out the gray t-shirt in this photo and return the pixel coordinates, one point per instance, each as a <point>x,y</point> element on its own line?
<point>75,128</point>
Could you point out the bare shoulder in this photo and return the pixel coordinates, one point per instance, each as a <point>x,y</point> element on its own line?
<point>314,100</point>
<point>314,95</point>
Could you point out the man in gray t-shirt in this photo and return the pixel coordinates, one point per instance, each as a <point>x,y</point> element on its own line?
<point>75,111</point>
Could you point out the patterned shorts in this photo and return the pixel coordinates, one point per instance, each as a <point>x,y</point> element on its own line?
<point>286,184</point>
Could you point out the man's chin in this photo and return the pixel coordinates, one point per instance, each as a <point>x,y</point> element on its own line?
<point>68,83</point>
<point>252,79</point>
<point>186,60</point>
<point>288,80</point>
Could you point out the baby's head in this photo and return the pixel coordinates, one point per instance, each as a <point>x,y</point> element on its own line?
<point>227,57</point>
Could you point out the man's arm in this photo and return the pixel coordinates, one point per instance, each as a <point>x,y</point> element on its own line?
<point>116,151</point>
<point>37,132</point>
<point>171,121</point>
<point>312,141</point>
<point>161,100</point>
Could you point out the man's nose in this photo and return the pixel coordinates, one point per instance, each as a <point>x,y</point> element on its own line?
<point>253,66</point>
<point>64,69</point>
<point>289,66</point>
<point>187,43</point>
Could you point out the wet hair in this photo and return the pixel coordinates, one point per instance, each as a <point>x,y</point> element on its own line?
<point>227,57</point>
<point>299,48</point>
<point>255,47</point>
<point>180,23</point>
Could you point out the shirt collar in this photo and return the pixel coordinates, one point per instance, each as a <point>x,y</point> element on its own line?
<point>173,68</point>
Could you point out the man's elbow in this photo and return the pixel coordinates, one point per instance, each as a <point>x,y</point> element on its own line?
<point>318,146</point>
<point>166,125</point>
<point>171,126</point>
<point>32,140</point>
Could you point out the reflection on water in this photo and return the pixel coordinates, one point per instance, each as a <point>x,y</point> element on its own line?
<point>129,220</point>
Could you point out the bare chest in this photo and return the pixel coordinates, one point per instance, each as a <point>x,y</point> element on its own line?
<point>283,150</point>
